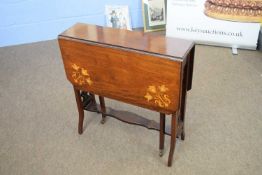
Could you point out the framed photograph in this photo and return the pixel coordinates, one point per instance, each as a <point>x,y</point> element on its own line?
<point>154,15</point>
<point>118,17</point>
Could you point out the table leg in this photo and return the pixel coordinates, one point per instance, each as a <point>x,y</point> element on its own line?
<point>191,68</point>
<point>162,134</point>
<point>186,77</point>
<point>103,109</point>
<point>173,138</point>
<point>80,110</point>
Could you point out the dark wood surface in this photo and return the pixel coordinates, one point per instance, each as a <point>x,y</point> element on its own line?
<point>137,40</point>
<point>124,75</point>
<point>89,48</point>
<point>103,108</point>
<point>174,128</point>
<point>162,125</point>
<point>80,110</point>
<point>191,68</point>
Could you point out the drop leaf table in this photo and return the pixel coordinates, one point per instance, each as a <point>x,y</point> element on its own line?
<point>147,70</point>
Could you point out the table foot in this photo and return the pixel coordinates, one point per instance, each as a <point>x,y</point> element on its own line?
<point>80,130</point>
<point>161,152</point>
<point>103,121</point>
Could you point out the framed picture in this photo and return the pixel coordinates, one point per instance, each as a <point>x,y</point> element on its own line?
<point>118,17</point>
<point>154,15</point>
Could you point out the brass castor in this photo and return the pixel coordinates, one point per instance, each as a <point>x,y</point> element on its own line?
<point>161,152</point>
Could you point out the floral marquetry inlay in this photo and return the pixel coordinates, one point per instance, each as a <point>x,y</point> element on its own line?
<point>81,76</point>
<point>157,94</point>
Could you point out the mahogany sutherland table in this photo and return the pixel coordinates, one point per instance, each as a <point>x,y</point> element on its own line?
<point>148,70</point>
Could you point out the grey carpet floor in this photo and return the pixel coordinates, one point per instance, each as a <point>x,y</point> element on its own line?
<point>38,120</point>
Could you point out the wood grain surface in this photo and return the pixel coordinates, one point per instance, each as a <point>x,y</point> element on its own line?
<point>129,66</point>
<point>123,75</point>
<point>137,40</point>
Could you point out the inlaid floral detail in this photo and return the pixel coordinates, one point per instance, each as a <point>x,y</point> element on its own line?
<point>158,95</point>
<point>81,76</point>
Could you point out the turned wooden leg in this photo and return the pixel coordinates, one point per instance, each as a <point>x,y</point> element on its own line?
<point>173,138</point>
<point>162,134</point>
<point>80,110</point>
<point>103,109</point>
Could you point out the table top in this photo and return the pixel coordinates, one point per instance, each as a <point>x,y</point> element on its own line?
<point>173,48</point>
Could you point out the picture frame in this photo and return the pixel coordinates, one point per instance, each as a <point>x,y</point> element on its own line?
<point>154,15</point>
<point>117,16</point>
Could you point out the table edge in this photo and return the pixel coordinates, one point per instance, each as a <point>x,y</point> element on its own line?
<point>169,57</point>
